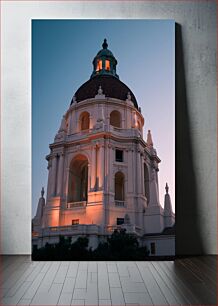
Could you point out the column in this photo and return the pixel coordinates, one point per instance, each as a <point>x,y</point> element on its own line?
<point>60,174</point>
<point>143,175</point>
<point>67,183</point>
<point>53,175</point>
<point>49,178</point>
<point>139,171</point>
<point>89,177</point>
<point>111,168</point>
<point>101,167</point>
<point>130,171</point>
<point>69,130</point>
<point>90,122</point>
<point>154,198</point>
<point>93,168</point>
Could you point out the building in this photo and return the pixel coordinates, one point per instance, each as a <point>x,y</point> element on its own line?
<point>102,174</point>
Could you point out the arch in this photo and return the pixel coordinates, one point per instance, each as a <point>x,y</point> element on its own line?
<point>119,186</point>
<point>78,179</point>
<point>107,65</point>
<point>146,183</point>
<point>84,120</point>
<point>115,118</point>
<point>99,65</point>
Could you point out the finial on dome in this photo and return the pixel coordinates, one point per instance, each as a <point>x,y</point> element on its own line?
<point>74,99</point>
<point>128,96</point>
<point>149,139</point>
<point>105,45</point>
<point>167,188</point>
<point>100,91</point>
<point>42,192</point>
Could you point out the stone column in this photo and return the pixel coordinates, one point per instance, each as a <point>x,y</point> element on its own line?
<point>101,167</point>
<point>139,171</point>
<point>130,171</point>
<point>154,196</point>
<point>143,175</point>
<point>53,175</point>
<point>93,168</point>
<point>91,122</point>
<point>110,168</point>
<point>60,174</point>
<point>67,183</point>
<point>89,177</point>
<point>69,130</point>
<point>49,178</point>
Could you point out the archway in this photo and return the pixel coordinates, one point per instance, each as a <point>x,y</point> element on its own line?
<point>119,186</point>
<point>115,119</point>
<point>84,121</point>
<point>78,179</point>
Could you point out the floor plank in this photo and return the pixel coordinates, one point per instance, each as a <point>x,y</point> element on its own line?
<point>187,281</point>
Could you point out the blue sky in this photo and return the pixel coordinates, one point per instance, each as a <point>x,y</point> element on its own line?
<point>62,54</point>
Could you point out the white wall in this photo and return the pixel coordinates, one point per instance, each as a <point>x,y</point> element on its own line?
<point>196,113</point>
<point>164,245</point>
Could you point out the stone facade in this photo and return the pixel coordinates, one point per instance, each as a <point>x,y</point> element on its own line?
<point>102,174</point>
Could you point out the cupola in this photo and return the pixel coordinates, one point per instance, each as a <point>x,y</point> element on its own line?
<point>104,62</point>
<point>104,76</point>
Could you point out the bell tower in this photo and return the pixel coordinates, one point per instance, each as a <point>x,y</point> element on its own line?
<point>102,174</point>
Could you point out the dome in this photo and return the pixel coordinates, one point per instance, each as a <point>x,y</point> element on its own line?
<point>104,52</point>
<point>104,75</point>
<point>112,87</point>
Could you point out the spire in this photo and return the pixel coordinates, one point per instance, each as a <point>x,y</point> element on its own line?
<point>105,45</point>
<point>167,201</point>
<point>169,217</point>
<point>167,188</point>
<point>149,139</point>
<point>42,192</point>
<point>63,127</point>
<point>37,220</point>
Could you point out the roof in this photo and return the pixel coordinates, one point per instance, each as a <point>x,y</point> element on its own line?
<point>112,87</point>
<point>166,231</point>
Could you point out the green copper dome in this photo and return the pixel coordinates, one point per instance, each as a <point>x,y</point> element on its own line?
<point>104,62</point>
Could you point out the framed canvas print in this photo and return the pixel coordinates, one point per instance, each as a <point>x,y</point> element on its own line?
<point>103,139</point>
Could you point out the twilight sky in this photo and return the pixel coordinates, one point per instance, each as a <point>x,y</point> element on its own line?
<point>62,54</point>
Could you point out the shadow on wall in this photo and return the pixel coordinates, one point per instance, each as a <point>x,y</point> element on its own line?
<point>188,227</point>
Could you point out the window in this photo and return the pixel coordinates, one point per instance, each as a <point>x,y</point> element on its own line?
<point>99,65</point>
<point>78,180</point>
<point>75,221</point>
<point>107,65</point>
<point>84,121</point>
<point>119,186</point>
<point>120,221</point>
<point>153,251</point>
<point>119,156</point>
<point>115,119</point>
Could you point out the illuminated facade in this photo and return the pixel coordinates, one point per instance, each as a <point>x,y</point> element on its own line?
<point>102,174</point>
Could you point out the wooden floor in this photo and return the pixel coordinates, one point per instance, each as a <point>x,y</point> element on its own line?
<point>188,281</point>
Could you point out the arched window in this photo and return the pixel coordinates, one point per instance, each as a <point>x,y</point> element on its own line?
<point>146,183</point>
<point>99,65</point>
<point>107,65</point>
<point>119,186</point>
<point>84,121</point>
<point>115,119</point>
<point>78,179</point>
